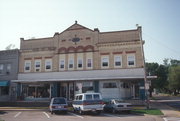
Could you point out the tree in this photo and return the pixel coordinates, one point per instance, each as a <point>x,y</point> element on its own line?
<point>151,69</point>
<point>161,71</point>
<point>174,76</point>
<point>10,46</point>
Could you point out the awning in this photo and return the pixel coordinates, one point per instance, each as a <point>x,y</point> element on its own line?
<point>4,83</point>
<point>120,74</point>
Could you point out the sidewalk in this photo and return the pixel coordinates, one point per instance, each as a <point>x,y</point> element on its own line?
<point>167,110</point>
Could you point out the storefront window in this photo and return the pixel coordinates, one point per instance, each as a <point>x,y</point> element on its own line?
<point>4,90</point>
<point>36,91</point>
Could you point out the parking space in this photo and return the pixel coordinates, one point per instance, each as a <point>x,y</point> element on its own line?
<point>46,116</point>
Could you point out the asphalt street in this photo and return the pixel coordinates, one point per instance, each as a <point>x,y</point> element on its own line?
<point>46,116</point>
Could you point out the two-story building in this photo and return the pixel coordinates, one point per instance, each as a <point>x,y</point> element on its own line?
<point>80,60</point>
<point>9,63</point>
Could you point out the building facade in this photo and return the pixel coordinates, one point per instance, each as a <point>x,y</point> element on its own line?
<point>80,60</point>
<point>8,71</point>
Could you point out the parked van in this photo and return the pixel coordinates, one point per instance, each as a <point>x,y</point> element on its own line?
<point>88,102</point>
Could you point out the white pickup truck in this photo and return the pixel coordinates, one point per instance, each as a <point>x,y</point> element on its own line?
<point>88,102</point>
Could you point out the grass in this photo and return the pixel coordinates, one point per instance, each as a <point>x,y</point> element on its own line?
<point>148,111</point>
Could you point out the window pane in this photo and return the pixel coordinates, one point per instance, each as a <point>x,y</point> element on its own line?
<point>48,64</point>
<point>131,60</point>
<point>105,62</point>
<point>96,97</point>
<point>70,63</point>
<point>62,64</point>
<point>109,85</point>
<point>80,63</point>
<point>117,61</point>
<point>88,97</point>
<point>89,63</point>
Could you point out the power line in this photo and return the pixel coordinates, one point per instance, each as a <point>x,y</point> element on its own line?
<point>162,44</point>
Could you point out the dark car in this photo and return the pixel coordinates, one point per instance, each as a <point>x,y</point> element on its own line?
<point>58,104</point>
<point>116,105</point>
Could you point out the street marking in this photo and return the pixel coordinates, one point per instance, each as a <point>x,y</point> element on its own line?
<point>17,114</point>
<point>76,115</point>
<point>171,119</point>
<point>165,119</point>
<point>46,114</point>
<point>111,115</point>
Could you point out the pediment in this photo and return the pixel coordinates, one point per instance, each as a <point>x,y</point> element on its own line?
<point>76,26</point>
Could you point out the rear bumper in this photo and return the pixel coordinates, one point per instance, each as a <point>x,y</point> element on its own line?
<point>92,109</point>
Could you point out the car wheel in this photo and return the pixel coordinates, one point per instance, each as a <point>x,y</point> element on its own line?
<point>114,110</point>
<point>98,112</point>
<point>81,112</point>
<point>52,112</point>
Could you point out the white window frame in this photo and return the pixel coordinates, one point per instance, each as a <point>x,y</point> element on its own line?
<point>25,65</point>
<point>35,63</point>
<point>102,59</point>
<point>79,59</point>
<point>71,60</point>
<point>46,63</point>
<point>117,56</point>
<point>60,63</point>
<point>1,68</point>
<point>134,59</point>
<point>8,68</point>
<point>87,63</point>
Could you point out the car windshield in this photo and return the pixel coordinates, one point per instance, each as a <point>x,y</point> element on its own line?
<point>59,101</point>
<point>118,101</point>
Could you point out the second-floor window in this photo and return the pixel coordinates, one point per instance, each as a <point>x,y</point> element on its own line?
<point>37,65</point>
<point>117,61</point>
<point>48,65</point>
<point>105,62</point>
<point>71,64</point>
<point>62,64</point>
<point>8,68</point>
<point>131,60</point>
<point>27,66</point>
<point>1,68</point>
<point>80,63</point>
<point>89,63</point>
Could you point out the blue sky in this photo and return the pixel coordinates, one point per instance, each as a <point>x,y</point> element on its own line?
<point>160,21</point>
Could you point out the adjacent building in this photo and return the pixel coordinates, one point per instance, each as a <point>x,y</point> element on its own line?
<point>80,60</point>
<point>8,71</point>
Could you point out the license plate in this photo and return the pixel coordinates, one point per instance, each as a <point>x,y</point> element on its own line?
<point>60,107</point>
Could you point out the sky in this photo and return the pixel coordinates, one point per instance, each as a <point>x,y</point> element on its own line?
<point>160,21</point>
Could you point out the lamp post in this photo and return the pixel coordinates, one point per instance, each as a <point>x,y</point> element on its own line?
<point>144,67</point>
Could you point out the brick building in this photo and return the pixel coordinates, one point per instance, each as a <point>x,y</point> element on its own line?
<point>9,60</point>
<point>80,60</point>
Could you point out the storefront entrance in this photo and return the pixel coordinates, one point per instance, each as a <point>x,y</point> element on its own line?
<point>67,90</point>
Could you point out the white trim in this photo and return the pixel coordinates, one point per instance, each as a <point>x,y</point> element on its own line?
<point>48,60</point>
<point>134,57</point>
<point>25,62</point>
<point>79,58</point>
<point>61,69</point>
<point>115,61</point>
<point>104,57</point>
<point>37,67</point>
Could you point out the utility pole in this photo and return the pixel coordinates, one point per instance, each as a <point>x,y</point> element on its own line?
<point>144,67</point>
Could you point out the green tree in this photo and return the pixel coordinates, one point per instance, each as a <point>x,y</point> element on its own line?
<point>161,71</point>
<point>174,77</point>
